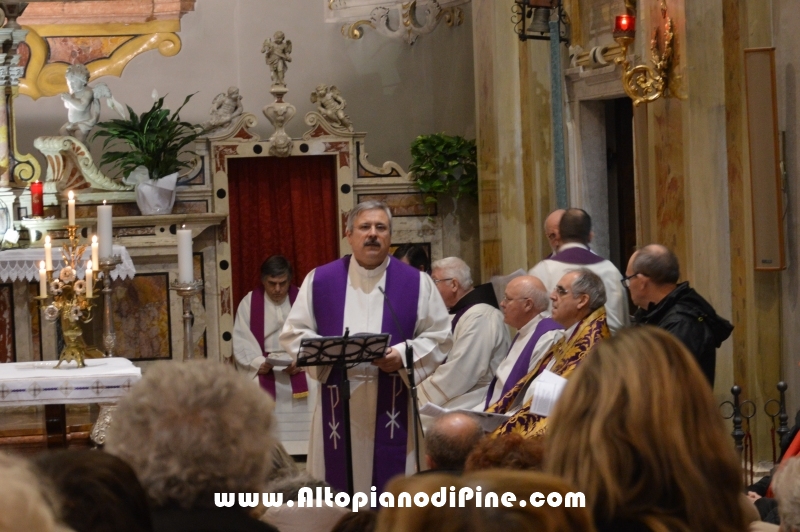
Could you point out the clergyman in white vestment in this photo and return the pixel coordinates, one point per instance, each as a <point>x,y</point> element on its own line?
<point>358,280</point>
<point>480,340</point>
<point>265,362</point>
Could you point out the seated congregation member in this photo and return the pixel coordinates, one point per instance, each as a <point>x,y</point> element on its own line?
<point>480,339</point>
<point>491,514</point>
<point>192,430</point>
<point>652,280</point>
<point>638,432</point>
<point>309,518</point>
<point>449,441</point>
<point>27,503</point>
<point>575,232</point>
<point>507,451</point>
<point>786,486</point>
<point>99,492</point>
<point>578,300</point>
<point>525,307</point>
<point>414,255</point>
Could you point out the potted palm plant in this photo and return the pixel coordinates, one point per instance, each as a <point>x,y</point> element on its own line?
<point>149,150</point>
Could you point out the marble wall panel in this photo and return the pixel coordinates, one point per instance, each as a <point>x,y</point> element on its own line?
<point>142,317</point>
<point>8,352</point>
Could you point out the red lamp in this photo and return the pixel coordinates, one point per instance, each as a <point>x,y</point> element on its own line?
<point>37,197</point>
<point>625,26</point>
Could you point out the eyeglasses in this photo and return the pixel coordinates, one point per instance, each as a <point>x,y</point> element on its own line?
<point>626,281</point>
<point>561,291</point>
<point>437,281</point>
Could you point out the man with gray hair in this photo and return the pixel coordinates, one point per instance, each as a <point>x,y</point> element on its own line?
<point>786,486</point>
<point>368,292</point>
<point>525,308</point>
<point>480,339</point>
<point>577,302</point>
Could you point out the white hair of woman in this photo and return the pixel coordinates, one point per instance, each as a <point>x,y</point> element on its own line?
<point>454,268</point>
<point>194,429</point>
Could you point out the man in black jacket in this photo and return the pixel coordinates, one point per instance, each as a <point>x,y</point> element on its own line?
<point>652,280</point>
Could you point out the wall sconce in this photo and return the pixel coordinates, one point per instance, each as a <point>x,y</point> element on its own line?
<point>531,19</point>
<point>642,83</point>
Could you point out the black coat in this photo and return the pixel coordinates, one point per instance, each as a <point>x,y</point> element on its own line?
<point>207,520</point>
<point>693,321</point>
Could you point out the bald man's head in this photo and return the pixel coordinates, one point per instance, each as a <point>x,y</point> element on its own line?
<point>450,440</point>
<point>658,263</point>
<point>551,224</point>
<point>525,297</point>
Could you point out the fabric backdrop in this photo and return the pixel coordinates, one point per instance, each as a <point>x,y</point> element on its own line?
<point>284,206</point>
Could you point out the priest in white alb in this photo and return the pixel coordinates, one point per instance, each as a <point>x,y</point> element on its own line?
<point>349,293</point>
<point>258,354</point>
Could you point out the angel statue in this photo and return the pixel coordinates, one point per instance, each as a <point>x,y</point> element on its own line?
<point>225,107</point>
<point>83,102</point>
<point>278,51</point>
<point>330,105</point>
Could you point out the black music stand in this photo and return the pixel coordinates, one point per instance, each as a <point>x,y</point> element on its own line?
<point>343,352</point>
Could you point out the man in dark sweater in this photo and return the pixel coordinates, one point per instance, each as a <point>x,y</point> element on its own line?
<point>652,280</point>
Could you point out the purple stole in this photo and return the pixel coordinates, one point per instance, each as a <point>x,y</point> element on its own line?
<point>267,382</point>
<point>520,368</point>
<point>329,289</point>
<point>577,256</point>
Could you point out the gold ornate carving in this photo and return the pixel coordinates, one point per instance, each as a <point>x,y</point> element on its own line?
<point>642,83</point>
<point>412,23</point>
<point>47,79</point>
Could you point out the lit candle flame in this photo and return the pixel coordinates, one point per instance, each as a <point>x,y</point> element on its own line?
<point>41,265</point>
<point>71,195</point>
<point>94,239</point>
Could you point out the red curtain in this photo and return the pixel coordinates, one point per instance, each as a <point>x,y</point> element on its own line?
<point>281,206</point>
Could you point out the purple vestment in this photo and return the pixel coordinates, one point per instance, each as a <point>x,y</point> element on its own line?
<point>329,290</point>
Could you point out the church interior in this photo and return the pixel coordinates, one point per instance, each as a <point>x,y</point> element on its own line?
<point>668,122</point>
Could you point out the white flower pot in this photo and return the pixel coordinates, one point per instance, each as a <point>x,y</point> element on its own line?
<point>157,196</point>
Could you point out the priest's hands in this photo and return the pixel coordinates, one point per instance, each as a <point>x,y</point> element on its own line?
<point>265,368</point>
<point>292,369</point>
<point>391,362</point>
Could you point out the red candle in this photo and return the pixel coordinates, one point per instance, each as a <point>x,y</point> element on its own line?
<point>37,198</point>
<point>625,23</point>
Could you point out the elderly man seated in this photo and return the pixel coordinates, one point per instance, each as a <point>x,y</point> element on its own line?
<point>578,300</point>
<point>480,339</point>
<point>191,431</point>
<point>525,308</point>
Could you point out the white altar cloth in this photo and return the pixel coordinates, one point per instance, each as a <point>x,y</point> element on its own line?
<point>39,383</point>
<point>23,264</point>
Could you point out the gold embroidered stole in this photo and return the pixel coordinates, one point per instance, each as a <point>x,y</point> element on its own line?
<point>568,353</point>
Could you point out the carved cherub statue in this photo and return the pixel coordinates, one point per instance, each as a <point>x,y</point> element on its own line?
<point>278,51</point>
<point>225,107</point>
<point>83,102</point>
<point>330,105</point>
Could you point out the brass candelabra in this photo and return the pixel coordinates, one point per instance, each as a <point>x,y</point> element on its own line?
<point>71,303</point>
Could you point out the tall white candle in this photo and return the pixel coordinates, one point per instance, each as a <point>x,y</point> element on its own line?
<point>42,280</point>
<point>95,252</point>
<point>48,253</point>
<point>88,278</point>
<point>185,267</point>
<point>71,208</point>
<point>104,230</point>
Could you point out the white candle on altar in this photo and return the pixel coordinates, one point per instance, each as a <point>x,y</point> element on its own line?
<point>88,278</point>
<point>95,251</point>
<point>104,230</point>
<point>48,253</point>
<point>71,208</point>
<point>42,280</point>
<point>185,266</point>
